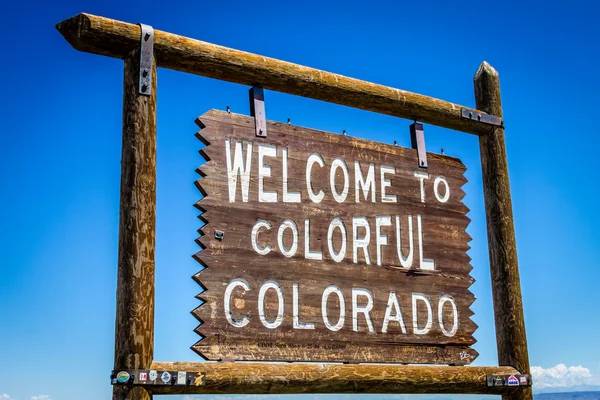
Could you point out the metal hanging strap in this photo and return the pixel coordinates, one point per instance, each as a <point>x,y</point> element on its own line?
<point>257,110</point>
<point>146,59</point>
<point>417,140</point>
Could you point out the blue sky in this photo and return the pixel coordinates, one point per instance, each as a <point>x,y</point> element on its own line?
<point>61,145</point>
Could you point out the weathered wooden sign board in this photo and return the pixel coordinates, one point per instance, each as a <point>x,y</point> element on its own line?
<point>325,247</point>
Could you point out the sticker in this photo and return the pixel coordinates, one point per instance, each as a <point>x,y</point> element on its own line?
<point>165,377</point>
<point>143,376</point>
<point>513,381</point>
<point>113,381</point>
<point>122,376</point>
<point>523,380</point>
<point>181,375</point>
<point>153,375</point>
<point>499,381</point>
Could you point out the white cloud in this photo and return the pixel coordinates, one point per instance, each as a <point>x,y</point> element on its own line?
<point>5,397</point>
<point>40,397</point>
<point>561,376</point>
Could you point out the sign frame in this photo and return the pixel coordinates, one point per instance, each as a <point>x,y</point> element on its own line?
<point>134,333</point>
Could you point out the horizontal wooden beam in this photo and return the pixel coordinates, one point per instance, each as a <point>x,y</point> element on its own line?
<point>252,377</point>
<point>114,38</point>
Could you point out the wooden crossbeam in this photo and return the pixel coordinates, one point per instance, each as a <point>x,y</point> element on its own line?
<point>114,38</point>
<point>273,378</point>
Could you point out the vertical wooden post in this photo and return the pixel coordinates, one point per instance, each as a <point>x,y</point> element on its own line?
<point>134,331</point>
<point>506,287</point>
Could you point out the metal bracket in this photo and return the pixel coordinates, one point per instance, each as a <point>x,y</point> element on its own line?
<point>417,140</point>
<point>146,59</point>
<point>257,110</point>
<point>485,118</point>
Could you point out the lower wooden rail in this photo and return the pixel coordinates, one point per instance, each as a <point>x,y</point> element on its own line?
<point>252,377</point>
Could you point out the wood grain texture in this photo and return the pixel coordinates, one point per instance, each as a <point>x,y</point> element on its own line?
<point>114,38</point>
<point>271,378</point>
<point>134,332</point>
<point>444,239</point>
<point>506,287</point>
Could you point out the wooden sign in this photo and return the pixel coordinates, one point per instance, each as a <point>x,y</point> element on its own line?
<point>324,247</point>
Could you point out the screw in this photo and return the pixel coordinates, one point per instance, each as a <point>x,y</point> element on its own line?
<point>395,143</point>
<point>145,72</point>
<point>144,88</point>
<point>344,133</point>
<point>289,122</point>
<point>422,163</point>
<point>147,36</point>
<point>228,110</point>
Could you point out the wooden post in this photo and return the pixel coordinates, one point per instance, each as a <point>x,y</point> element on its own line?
<point>134,332</point>
<point>506,287</point>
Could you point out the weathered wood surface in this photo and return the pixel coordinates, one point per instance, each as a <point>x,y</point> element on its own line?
<point>134,332</point>
<point>270,378</point>
<point>114,38</point>
<point>506,286</point>
<point>233,257</point>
